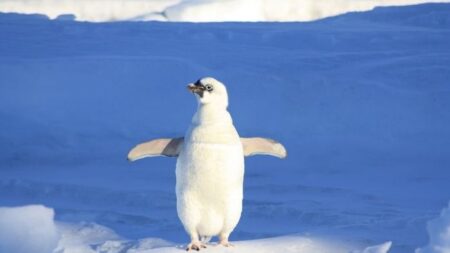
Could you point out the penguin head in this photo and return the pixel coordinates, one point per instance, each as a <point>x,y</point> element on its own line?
<point>208,90</point>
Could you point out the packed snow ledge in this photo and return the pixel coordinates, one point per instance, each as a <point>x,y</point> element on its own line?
<point>197,10</point>
<point>33,229</point>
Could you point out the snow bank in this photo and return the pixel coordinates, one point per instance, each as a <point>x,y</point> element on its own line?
<point>439,232</point>
<point>272,10</point>
<point>32,229</point>
<point>78,238</point>
<point>287,244</point>
<point>90,10</point>
<point>197,10</point>
<point>357,96</point>
<point>27,229</point>
<point>382,248</point>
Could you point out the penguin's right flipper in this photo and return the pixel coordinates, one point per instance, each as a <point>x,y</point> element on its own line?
<point>158,147</point>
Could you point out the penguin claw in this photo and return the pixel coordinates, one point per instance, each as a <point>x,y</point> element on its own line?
<point>195,246</point>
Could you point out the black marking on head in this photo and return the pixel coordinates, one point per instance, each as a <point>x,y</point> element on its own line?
<point>201,91</point>
<point>201,88</point>
<point>198,82</point>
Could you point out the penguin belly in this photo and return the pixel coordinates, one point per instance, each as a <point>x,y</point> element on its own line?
<point>209,187</point>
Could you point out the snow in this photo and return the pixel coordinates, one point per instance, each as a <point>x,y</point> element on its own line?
<point>284,244</point>
<point>197,10</point>
<point>33,229</point>
<point>439,233</point>
<point>271,10</point>
<point>382,248</point>
<point>27,229</point>
<point>360,101</point>
<point>91,10</point>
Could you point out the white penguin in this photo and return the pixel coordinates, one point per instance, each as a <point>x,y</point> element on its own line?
<point>210,165</point>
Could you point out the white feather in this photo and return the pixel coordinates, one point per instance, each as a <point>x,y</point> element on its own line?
<point>210,169</point>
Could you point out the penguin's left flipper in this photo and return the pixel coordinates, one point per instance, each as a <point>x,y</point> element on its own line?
<point>263,146</point>
<point>158,147</point>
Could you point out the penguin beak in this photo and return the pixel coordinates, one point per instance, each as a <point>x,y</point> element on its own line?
<point>196,88</point>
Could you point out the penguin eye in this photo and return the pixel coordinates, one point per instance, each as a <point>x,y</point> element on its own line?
<point>208,87</point>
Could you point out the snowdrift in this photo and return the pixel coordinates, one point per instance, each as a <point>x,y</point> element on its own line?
<point>360,101</point>
<point>197,10</point>
<point>27,229</point>
<point>439,233</point>
<point>271,10</point>
<point>32,229</point>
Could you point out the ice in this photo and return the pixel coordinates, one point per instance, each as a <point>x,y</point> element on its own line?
<point>271,10</point>
<point>32,229</point>
<point>197,10</point>
<point>439,234</point>
<point>360,102</point>
<point>91,238</point>
<point>27,229</point>
<point>381,248</point>
<point>88,10</point>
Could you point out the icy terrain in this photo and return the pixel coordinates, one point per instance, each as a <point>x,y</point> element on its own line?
<point>439,232</point>
<point>196,10</point>
<point>361,102</point>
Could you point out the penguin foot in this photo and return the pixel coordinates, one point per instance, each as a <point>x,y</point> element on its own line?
<point>196,246</point>
<point>226,243</point>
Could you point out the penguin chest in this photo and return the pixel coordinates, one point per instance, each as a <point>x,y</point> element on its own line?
<point>209,187</point>
<point>211,170</point>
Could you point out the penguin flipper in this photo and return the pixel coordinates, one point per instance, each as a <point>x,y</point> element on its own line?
<point>158,147</point>
<point>263,146</point>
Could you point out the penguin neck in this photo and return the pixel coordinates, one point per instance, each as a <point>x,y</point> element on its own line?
<point>210,114</point>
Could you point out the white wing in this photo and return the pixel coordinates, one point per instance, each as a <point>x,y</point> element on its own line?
<point>158,147</point>
<point>263,146</point>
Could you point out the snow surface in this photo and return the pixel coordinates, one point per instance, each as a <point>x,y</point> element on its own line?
<point>439,233</point>
<point>197,10</point>
<point>272,10</point>
<point>27,229</point>
<point>382,248</point>
<point>360,102</point>
<point>32,229</point>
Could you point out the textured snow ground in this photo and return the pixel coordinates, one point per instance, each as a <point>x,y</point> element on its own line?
<point>439,233</point>
<point>27,229</point>
<point>32,229</point>
<point>360,101</point>
<point>197,10</point>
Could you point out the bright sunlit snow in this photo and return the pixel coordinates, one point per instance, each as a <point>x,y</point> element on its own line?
<point>439,234</point>
<point>27,229</point>
<point>197,10</point>
<point>361,102</point>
